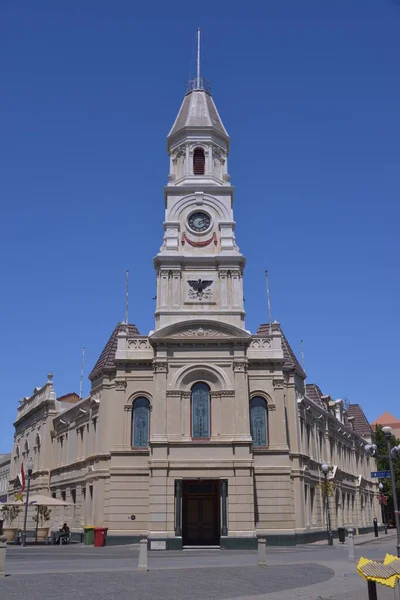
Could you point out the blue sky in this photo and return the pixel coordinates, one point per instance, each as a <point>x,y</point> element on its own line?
<point>309,92</point>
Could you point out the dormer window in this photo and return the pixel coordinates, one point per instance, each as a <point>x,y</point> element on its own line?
<point>199,161</point>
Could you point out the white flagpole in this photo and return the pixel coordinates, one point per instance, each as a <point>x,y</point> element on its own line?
<point>269,303</point>
<point>126,296</point>
<point>82,368</point>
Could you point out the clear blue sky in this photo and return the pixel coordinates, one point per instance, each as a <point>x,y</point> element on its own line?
<point>310,94</point>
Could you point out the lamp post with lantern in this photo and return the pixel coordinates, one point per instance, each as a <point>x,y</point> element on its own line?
<point>383,501</point>
<point>29,471</point>
<point>325,469</point>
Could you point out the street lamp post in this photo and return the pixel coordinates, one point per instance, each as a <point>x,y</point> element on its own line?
<point>30,469</point>
<point>383,505</point>
<point>325,469</point>
<point>388,432</point>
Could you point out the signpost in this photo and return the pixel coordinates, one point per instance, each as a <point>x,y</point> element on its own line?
<point>380,474</point>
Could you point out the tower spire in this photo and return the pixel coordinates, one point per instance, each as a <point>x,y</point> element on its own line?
<point>198,58</point>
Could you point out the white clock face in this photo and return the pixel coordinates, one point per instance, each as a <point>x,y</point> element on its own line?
<point>199,221</point>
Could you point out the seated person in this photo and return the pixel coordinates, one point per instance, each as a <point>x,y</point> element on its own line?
<point>62,534</point>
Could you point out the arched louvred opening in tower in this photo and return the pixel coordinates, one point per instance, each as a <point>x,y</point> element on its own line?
<point>199,161</point>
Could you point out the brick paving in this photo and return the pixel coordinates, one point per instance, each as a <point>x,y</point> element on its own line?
<point>196,584</point>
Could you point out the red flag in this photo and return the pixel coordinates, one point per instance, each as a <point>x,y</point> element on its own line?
<point>21,477</point>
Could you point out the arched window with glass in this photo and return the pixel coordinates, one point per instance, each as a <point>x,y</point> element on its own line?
<point>259,422</point>
<point>200,408</point>
<point>140,423</point>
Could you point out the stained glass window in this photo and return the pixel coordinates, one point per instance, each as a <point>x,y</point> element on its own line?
<point>258,422</point>
<point>200,411</point>
<point>140,423</point>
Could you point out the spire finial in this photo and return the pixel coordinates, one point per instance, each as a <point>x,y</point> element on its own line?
<point>198,57</point>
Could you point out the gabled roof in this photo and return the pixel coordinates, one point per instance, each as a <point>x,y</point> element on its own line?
<point>386,418</point>
<point>291,363</point>
<point>106,360</point>
<point>361,424</point>
<point>71,398</point>
<point>314,393</point>
<point>197,111</point>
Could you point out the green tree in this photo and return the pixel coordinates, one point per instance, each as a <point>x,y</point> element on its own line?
<point>383,465</point>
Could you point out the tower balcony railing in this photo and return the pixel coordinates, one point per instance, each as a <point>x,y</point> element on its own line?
<point>198,83</point>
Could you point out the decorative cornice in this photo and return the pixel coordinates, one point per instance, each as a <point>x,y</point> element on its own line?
<point>278,384</point>
<point>120,385</point>
<point>261,344</point>
<point>200,332</point>
<point>222,393</point>
<point>240,366</point>
<point>139,344</point>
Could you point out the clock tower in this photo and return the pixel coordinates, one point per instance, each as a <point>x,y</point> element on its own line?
<point>199,266</point>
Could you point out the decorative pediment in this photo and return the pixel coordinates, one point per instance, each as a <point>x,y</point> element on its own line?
<point>200,330</point>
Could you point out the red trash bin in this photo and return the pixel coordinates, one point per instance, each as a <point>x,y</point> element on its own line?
<point>100,534</point>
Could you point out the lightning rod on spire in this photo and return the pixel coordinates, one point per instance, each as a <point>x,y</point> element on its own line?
<point>302,354</point>
<point>269,303</point>
<point>198,57</point>
<point>82,368</point>
<point>126,296</point>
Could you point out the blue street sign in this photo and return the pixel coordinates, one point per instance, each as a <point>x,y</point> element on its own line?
<point>380,474</point>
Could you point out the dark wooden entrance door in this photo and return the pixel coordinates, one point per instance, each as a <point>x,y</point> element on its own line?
<point>200,513</point>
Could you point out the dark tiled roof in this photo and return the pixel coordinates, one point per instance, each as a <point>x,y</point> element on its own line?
<point>71,398</point>
<point>361,425</point>
<point>314,393</point>
<point>106,360</point>
<point>291,363</point>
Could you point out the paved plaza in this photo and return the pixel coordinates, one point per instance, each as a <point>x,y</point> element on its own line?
<point>312,572</point>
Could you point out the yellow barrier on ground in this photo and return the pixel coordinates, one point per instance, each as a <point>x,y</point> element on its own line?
<point>386,573</point>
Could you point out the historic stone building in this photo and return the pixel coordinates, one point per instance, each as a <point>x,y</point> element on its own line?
<point>5,461</point>
<point>200,432</point>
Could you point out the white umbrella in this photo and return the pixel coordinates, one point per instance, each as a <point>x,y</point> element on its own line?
<point>42,500</point>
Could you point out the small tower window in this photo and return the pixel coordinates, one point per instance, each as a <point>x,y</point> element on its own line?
<point>199,161</point>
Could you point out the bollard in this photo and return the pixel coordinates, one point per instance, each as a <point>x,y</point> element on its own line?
<point>372,593</point>
<point>350,541</point>
<point>3,548</point>
<point>262,552</point>
<point>142,566</point>
<point>376,527</point>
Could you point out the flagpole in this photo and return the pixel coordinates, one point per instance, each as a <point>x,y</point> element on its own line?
<point>269,303</point>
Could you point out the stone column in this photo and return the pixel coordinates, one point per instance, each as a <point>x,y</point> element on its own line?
<point>242,413</point>
<point>159,414</point>
<point>223,288</point>
<point>176,289</point>
<point>178,502</point>
<point>237,294</point>
<point>163,289</point>
<point>224,495</point>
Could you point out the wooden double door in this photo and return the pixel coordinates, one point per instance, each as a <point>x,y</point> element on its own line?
<point>201,513</point>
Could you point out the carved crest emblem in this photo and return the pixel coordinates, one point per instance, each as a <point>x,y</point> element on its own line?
<point>199,289</point>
